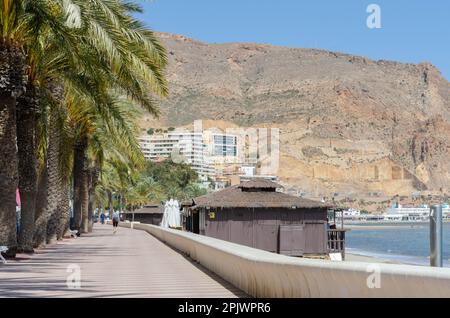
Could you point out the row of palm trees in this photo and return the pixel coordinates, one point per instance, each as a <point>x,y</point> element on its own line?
<point>73,75</point>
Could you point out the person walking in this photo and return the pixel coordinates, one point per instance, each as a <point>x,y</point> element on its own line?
<point>115,219</point>
<point>102,218</point>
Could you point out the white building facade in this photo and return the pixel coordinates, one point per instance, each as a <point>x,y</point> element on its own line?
<point>213,153</point>
<point>179,146</point>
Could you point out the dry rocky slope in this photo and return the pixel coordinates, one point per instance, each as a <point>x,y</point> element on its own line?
<point>348,124</point>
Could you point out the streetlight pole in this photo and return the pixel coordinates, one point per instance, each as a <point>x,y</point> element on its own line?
<point>436,236</point>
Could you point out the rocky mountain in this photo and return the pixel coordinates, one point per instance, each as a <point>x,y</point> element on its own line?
<point>349,125</point>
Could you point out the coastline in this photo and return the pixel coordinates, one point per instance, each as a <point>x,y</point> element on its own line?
<point>393,226</point>
<point>392,242</point>
<point>353,223</point>
<point>363,257</point>
<point>355,257</point>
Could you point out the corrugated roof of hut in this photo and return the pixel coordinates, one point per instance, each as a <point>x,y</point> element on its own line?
<point>259,183</point>
<point>237,196</point>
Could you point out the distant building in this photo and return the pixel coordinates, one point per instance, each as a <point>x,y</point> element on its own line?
<point>155,147</point>
<point>211,153</point>
<point>248,170</point>
<point>412,213</point>
<point>182,146</point>
<point>223,151</point>
<point>235,180</point>
<point>193,150</point>
<point>351,214</point>
<point>224,146</point>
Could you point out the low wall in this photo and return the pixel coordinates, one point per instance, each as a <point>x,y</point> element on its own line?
<point>264,274</point>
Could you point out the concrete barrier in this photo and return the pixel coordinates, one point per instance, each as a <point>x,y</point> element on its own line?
<point>263,274</point>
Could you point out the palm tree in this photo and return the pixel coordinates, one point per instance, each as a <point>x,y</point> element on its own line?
<point>110,49</point>
<point>93,179</point>
<point>113,151</point>
<point>26,125</point>
<point>44,107</point>
<point>51,214</point>
<point>146,67</point>
<point>12,85</point>
<point>21,21</point>
<point>136,61</point>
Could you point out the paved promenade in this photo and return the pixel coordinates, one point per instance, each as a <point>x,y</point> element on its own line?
<point>129,263</point>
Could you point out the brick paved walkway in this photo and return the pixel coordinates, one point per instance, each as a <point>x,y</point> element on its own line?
<point>129,263</point>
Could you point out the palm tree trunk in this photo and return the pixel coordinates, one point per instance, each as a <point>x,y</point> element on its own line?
<point>8,173</point>
<point>91,208</point>
<point>110,204</point>
<point>80,183</point>
<point>12,83</point>
<point>93,180</point>
<point>64,209</point>
<point>46,226</point>
<point>27,106</point>
<point>85,202</point>
<point>40,222</point>
<point>54,168</point>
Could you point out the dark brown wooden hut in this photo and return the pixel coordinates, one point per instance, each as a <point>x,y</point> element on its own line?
<point>255,214</point>
<point>149,214</point>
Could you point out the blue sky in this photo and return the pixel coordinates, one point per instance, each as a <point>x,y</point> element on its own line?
<point>411,31</point>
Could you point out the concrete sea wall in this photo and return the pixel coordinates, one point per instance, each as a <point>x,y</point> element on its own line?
<point>264,274</point>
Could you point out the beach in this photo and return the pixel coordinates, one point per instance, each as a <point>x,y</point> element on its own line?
<point>349,257</point>
<point>393,243</point>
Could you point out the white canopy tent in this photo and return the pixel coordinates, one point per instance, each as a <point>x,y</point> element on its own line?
<point>171,216</point>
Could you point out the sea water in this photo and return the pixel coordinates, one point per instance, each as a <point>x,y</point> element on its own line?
<point>409,244</point>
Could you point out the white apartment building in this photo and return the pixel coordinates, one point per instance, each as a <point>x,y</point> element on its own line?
<point>222,148</point>
<point>191,146</point>
<point>225,146</point>
<point>157,147</point>
<point>180,146</point>
<point>211,152</point>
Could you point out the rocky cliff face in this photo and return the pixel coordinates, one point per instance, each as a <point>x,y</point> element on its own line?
<point>348,124</point>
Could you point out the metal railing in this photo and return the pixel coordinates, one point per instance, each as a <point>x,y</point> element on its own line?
<point>336,241</point>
